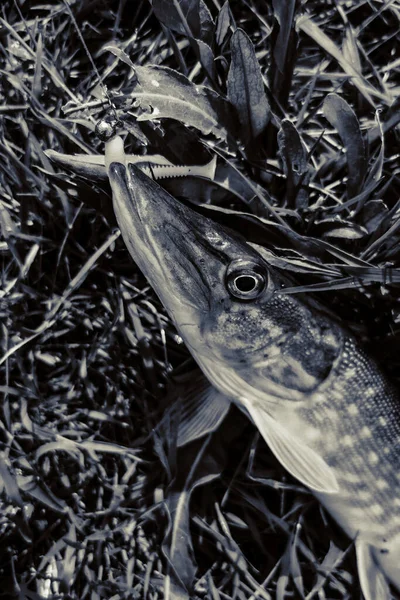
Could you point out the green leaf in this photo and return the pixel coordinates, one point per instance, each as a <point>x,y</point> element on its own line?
<point>207,25</point>
<point>310,28</point>
<point>372,214</point>
<point>163,93</point>
<point>196,467</point>
<point>294,158</point>
<point>167,13</point>
<point>119,53</point>
<point>206,58</point>
<point>197,19</point>
<point>350,49</point>
<point>246,87</point>
<point>341,116</point>
<point>375,171</point>
<point>225,20</point>
<point>8,481</point>
<point>339,228</point>
<point>284,13</point>
<point>41,493</point>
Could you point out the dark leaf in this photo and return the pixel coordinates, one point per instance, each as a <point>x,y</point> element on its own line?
<point>246,87</point>
<point>196,467</point>
<point>331,561</point>
<point>372,215</point>
<point>166,11</point>
<point>224,22</point>
<point>284,13</point>
<point>375,171</point>
<point>206,23</point>
<point>196,17</point>
<point>386,243</point>
<point>41,493</point>
<point>294,158</point>
<point>341,116</point>
<point>206,57</point>
<point>8,481</point>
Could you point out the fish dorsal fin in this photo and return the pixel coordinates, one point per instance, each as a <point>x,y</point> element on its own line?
<point>373,582</point>
<point>299,459</point>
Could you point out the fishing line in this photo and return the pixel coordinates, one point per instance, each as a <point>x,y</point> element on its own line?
<point>86,49</point>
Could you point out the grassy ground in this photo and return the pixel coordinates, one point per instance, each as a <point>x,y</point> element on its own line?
<point>90,492</point>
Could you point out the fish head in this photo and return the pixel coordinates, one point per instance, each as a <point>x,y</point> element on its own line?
<point>221,293</point>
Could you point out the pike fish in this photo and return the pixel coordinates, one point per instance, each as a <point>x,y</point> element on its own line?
<point>322,405</point>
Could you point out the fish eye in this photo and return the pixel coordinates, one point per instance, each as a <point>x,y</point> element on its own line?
<point>246,279</point>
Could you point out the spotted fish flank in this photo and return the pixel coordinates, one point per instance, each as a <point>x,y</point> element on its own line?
<point>321,404</point>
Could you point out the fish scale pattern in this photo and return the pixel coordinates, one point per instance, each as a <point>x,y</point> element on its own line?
<point>357,411</point>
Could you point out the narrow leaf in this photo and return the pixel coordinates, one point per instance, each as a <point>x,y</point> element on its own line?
<point>206,57</point>
<point>309,27</point>
<point>180,551</point>
<point>350,50</point>
<point>284,13</point>
<point>207,25</point>
<point>41,493</point>
<point>246,87</point>
<point>224,22</point>
<point>372,214</point>
<point>186,17</point>
<point>119,54</point>
<point>37,77</point>
<point>342,117</point>
<point>294,158</point>
<point>332,560</point>
<point>339,228</point>
<point>375,172</point>
<point>8,481</point>
<point>167,13</point>
<point>196,468</point>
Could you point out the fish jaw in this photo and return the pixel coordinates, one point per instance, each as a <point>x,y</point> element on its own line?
<point>188,259</point>
<point>167,241</point>
<point>239,343</point>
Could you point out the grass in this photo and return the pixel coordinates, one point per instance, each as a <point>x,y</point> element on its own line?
<point>92,491</point>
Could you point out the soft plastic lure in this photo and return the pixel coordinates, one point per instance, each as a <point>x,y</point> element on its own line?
<point>155,166</point>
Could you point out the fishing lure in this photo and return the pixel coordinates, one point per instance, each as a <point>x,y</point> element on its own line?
<point>322,405</point>
<point>155,166</point>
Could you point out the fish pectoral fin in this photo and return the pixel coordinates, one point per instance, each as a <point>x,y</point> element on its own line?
<point>202,412</point>
<point>373,582</point>
<point>199,409</point>
<point>299,459</point>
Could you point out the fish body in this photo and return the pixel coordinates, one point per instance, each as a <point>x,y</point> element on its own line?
<point>322,405</point>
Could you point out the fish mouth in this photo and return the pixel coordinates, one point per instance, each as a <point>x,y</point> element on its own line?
<point>178,250</point>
